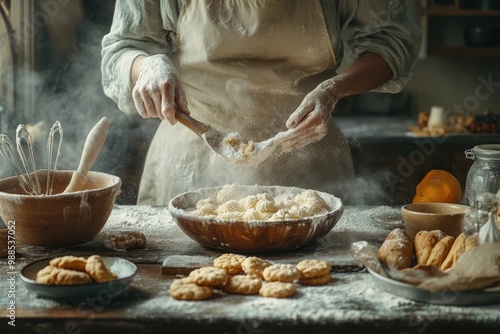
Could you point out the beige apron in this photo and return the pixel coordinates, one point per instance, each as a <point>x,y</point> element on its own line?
<point>246,66</point>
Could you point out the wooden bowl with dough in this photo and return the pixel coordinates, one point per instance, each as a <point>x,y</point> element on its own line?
<point>255,236</point>
<point>60,219</point>
<point>446,217</point>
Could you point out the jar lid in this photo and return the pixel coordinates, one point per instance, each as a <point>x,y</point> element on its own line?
<point>487,151</point>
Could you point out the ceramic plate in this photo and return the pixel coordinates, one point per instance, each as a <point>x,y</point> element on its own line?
<point>458,298</point>
<point>125,270</point>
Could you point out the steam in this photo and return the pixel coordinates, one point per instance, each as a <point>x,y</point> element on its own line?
<point>70,91</point>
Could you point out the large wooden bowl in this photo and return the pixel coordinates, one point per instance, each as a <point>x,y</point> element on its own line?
<point>60,219</point>
<point>252,236</point>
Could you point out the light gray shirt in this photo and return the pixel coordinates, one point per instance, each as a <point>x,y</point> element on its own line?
<point>355,27</point>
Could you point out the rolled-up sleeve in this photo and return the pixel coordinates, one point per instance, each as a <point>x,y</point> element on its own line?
<point>383,27</point>
<point>137,29</point>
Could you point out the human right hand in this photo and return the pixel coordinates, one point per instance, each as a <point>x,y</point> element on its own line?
<point>158,90</point>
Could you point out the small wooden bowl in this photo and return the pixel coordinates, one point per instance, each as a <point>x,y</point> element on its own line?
<point>446,217</point>
<point>60,219</point>
<point>253,236</point>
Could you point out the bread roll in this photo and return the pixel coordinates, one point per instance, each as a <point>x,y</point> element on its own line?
<point>396,250</point>
<point>471,241</point>
<point>440,251</point>
<point>425,242</point>
<point>456,250</point>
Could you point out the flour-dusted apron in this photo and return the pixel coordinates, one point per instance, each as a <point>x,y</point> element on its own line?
<point>246,66</point>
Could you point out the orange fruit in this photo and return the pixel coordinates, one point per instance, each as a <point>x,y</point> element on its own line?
<point>438,186</point>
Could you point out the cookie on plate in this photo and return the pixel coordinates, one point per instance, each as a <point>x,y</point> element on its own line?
<point>97,269</point>
<point>60,276</point>
<point>69,262</point>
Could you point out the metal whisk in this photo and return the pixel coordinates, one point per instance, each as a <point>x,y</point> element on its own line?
<point>24,166</point>
<point>50,145</point>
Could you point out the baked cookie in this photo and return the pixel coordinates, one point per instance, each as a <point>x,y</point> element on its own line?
<point>183,289</point>
<point>97,269</point>
<point>122,241</point>
<point>230,262</point>
<point>69,262</point>
<point>179,281</point>
<point>254,266</point>
<point>59,276</point>
<point>209,276</point>
<point>321,280</point>
<point>243,285</point>
<point>278,290</point>
<point>313,268</point>
<point>281,273</point>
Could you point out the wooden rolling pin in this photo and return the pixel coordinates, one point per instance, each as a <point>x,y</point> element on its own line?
<point>92,147</point>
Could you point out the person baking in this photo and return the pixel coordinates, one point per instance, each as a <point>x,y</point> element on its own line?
<point>257,68</point>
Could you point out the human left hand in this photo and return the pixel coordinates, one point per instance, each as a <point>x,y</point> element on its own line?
<point>309,122</point>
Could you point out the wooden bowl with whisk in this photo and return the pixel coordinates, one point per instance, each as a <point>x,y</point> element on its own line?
<point>59,219</point>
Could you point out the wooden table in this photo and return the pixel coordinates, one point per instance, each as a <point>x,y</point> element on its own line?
<point>351,303</point>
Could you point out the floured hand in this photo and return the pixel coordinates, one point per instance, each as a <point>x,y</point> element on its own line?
<point>310,121</point>
<point>158,89</point>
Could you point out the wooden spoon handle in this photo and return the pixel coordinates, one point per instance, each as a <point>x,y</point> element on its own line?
<point>92,147</point>
<point>196,126</point>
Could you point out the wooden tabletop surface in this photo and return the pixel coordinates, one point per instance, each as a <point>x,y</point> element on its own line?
<point>352,302</point>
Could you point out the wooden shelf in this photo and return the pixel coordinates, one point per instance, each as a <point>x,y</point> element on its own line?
<point>457,51</point>
<point>451,11</point>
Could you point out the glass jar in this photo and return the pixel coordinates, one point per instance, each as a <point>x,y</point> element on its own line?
<point>484,175</point>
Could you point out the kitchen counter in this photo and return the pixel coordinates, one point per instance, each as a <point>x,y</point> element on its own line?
<point>396,129</point>
<point>351,303</point>
<point>390,161</point>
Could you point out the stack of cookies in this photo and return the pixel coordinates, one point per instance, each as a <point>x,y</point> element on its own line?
<point>238,274</point>
<point>70,269</point>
